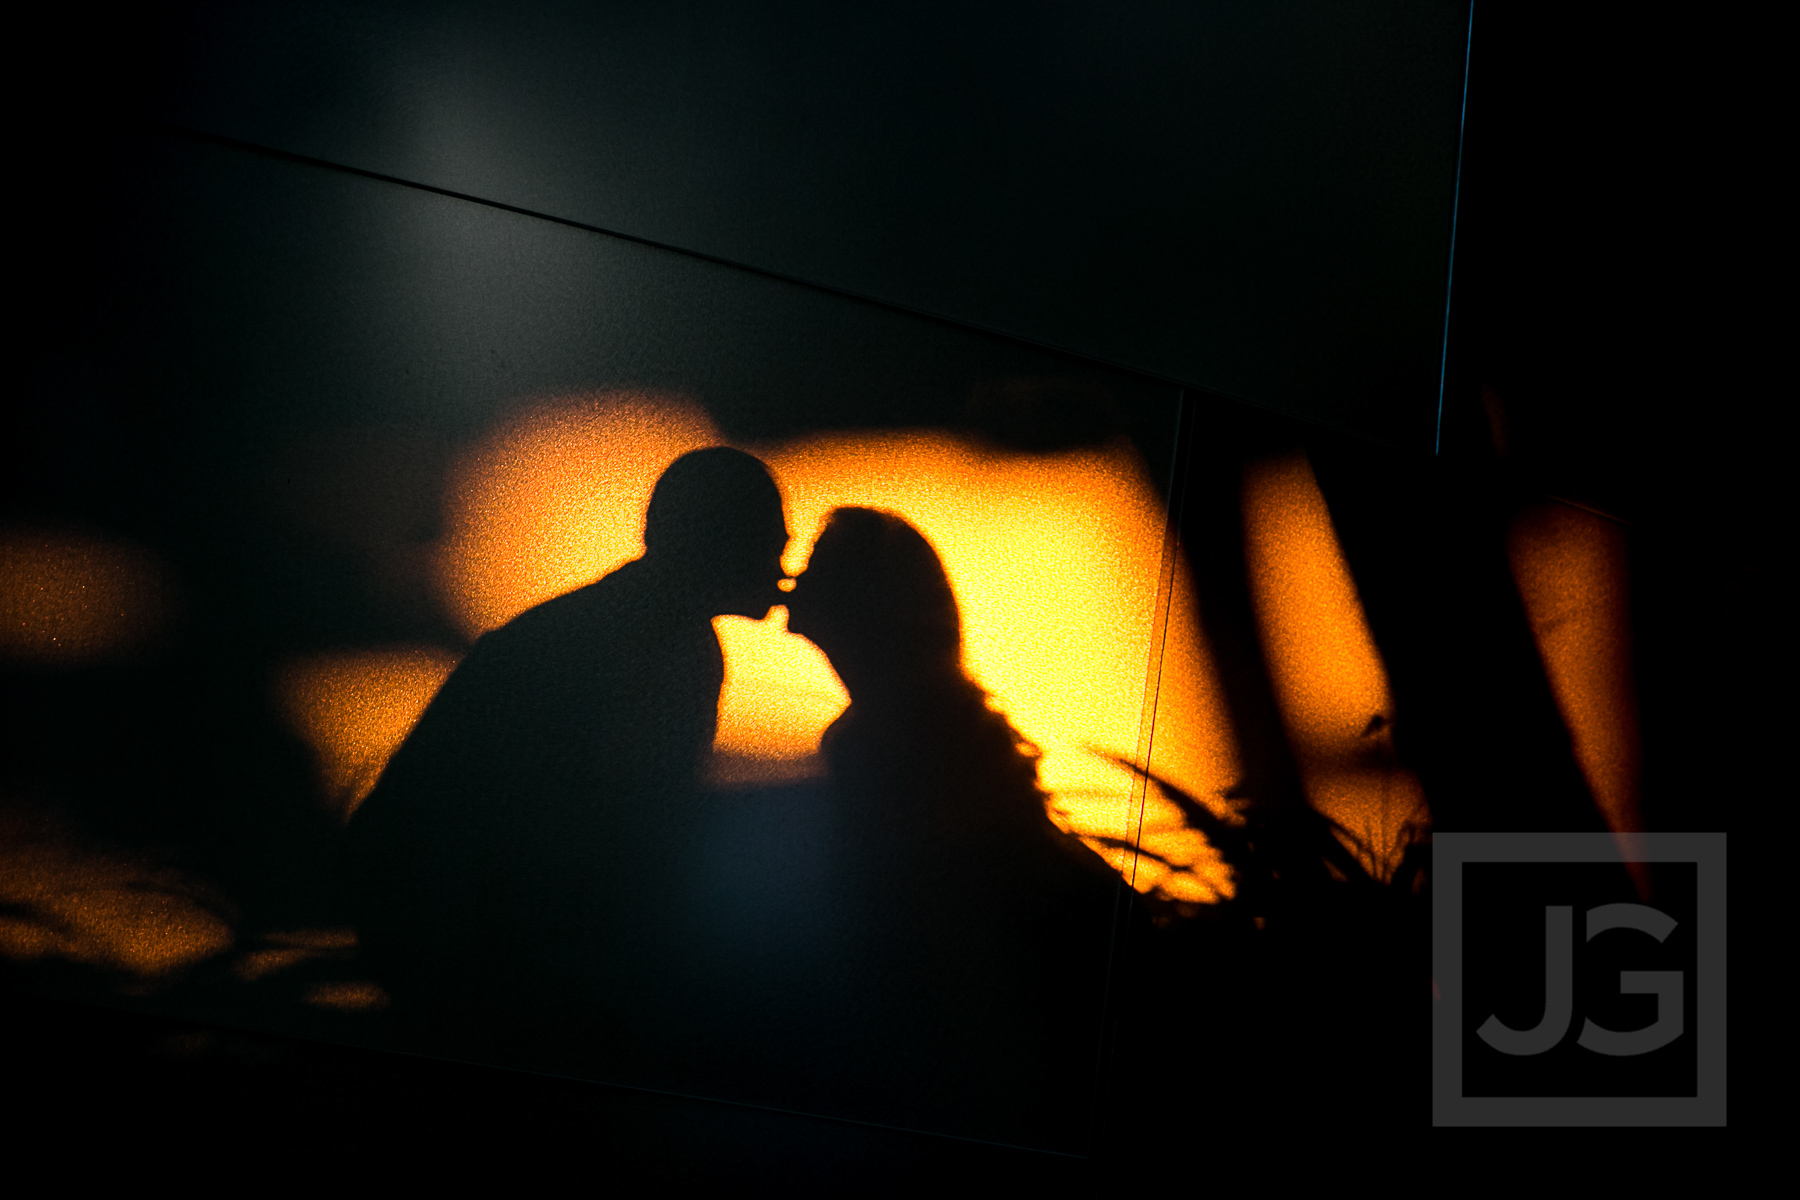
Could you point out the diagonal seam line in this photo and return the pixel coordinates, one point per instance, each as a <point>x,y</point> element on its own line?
<point>1159,637</point>
<point>1019,339</point>
<point>202,135</point>
<point>1125,896</point>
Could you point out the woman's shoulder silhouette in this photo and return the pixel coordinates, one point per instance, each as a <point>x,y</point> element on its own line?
<point>987,925</point>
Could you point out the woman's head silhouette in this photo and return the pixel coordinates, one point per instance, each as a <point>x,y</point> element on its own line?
<point>921,739</point>
<point>876,599</point>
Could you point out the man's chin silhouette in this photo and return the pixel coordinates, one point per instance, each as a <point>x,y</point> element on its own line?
<point>509,862</point>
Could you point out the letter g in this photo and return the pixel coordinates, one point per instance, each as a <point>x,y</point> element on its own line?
<point>1664,985</point>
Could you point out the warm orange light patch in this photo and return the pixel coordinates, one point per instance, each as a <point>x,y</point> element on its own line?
<point>1194,748</point>
<point>350,995</point>
<point>555,499</point>
<point>1330,683</point>
<point>1570,568</point>
<point>354,708</point>
<point>780,694</point>
<point>68,597</point>
<point>1055,561</point>
<point>288,949</point>
<point>114,911</point>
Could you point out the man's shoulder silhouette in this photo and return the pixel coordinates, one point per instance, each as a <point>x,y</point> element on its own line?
<point>572,695</point>
<point>592,631</point>
<point>520,825</point>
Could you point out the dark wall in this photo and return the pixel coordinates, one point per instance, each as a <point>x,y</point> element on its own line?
<point>1605,338</point>
<point>1258,211</point>
<point>1253,201</point>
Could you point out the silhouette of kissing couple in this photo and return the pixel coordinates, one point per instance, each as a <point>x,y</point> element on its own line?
<point>519,865</point>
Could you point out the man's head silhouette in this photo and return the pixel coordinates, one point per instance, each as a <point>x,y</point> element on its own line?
<point>715,523</point>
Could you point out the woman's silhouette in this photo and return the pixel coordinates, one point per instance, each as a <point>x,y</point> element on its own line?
<point>980,981</point>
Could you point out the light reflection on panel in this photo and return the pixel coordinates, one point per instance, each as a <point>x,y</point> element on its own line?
<point>1055,560</point>
<point>1329,680</point>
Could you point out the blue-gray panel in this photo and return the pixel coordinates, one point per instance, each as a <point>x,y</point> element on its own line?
<point>1252,199</point>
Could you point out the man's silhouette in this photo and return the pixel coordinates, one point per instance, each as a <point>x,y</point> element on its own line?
<point>513,859</point>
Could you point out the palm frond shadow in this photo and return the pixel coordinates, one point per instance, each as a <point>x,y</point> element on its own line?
<point>1286,866</point>
<point>1310,975</point>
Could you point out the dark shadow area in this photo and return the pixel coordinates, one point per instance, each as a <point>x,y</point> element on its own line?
<point>1299,1006</point>
<point>153,1086</point>
<point>180,402</point>
<point>1427,544</point>
<point>1063,176</point>
<point>513,866</point>
<point>975,994</point>
<point>261,372</point>
<point>541,882</point>
<point>1306,995</point>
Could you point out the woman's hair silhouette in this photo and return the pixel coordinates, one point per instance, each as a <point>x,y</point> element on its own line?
<point>986,927</point>
<point>876,599</point>
<point>874,582</point>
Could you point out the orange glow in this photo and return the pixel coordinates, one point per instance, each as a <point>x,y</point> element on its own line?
<point>780,694</point>
<point>116,912</point>
<point>349,995</point>
<point>1054,560</point>
<point>259,964</point>
<point>68,598</point>
<point>1194,748</point>
<point>555,499</point>
<point>1570,569</point>
<point>1329,680</point>
<point>354,708</point>
<point>281,951</point>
